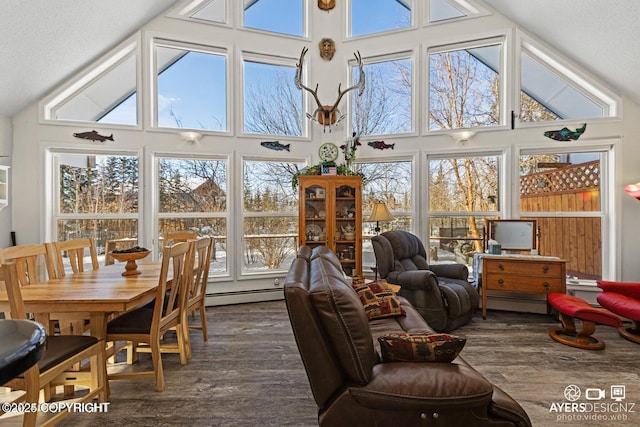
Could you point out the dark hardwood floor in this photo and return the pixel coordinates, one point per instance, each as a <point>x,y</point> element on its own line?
<point>249,373</point>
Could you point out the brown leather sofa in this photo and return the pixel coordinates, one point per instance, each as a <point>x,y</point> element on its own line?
<point>440,292</point>
<point>350,384</point>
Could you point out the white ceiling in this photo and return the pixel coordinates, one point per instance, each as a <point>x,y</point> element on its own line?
<point>44,42</point>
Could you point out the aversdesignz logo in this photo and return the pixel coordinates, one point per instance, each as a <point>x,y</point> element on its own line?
<point>594,404</point>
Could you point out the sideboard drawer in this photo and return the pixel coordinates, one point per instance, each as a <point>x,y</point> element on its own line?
<point>529,284</point>
<point>550,269</point>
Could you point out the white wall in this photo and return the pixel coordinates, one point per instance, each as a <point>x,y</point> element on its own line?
<point>6,136</point>
<point>30,138</point>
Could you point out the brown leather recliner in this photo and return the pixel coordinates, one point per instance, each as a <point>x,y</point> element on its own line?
<point>350,385</point>
<point>440,292</point>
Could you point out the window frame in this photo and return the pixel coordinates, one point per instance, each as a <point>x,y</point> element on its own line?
<point>409,55</point>
<point>105,64</point>
<point>52,199</point>
<point>608,198</point>
<point>566,71</point>
<point>244,273</point>
<point>226,215</point>
<point>153,82</point>
<point>272,60</point>
<point>501,39</point>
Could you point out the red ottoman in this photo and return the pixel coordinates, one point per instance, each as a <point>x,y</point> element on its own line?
<point>623,299</point>
<point>571,308</point>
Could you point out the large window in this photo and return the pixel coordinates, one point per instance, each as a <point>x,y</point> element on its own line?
<point>385,106</point>
<point>562,191</point>
<point>270,215</point>
<point>97,196</point>
<point>463,190</point>
<point>389,182</point>
<point>279,16</point>
<point>465,87</point>
<point>272,103</point>
<point>191,88</point>
<point>192,195</point>
<point>374,16</point>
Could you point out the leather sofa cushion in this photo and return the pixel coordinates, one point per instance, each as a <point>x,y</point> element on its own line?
<point>449,386</point>
<point>341,313</point>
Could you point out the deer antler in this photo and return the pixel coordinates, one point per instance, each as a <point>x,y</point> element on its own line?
<point>327,115</point>
<point>359,85</point>
<point>298,78</point>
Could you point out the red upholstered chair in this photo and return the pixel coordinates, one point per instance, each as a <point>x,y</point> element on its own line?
<point>623,299</point>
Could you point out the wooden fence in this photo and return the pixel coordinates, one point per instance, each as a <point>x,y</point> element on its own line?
<point>575,239</point>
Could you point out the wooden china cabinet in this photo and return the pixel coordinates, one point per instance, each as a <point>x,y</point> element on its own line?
<point>330,214</point>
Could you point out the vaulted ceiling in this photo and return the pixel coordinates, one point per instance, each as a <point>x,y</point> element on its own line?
<point>45,42</point>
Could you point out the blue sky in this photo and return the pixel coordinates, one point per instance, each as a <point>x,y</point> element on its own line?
<point>194,87</point>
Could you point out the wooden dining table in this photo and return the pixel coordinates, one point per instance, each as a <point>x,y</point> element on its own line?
<point>96,293</point>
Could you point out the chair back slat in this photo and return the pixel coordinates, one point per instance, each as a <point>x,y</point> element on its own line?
<point>170,296</point>
<point>29,259</point>
<point>9,275</point>
<point>75,251</point>
<point>202,252</point>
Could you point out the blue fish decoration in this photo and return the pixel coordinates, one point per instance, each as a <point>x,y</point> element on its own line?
<point>380,145</point>
<point>275,145</point>
<point>565,134</point>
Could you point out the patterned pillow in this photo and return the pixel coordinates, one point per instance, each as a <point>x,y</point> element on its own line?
<point>378,300</point>
<point>420,347</point>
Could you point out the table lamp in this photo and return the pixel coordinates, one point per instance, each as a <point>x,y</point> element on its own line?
<point>380,213</point>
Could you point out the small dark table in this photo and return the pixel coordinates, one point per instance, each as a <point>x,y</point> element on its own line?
<point>22,345</point>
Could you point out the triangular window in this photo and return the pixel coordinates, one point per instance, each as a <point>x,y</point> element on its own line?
<point>550,90</point>
<point>446,10</point>
<point>106,94</point>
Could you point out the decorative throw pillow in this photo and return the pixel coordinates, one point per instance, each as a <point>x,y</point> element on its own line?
<point>378,300</point>
<point>420,347</point>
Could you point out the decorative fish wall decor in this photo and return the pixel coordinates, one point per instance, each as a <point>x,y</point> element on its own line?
<point>93,136</point>
<point>275,145</point>
<point>380,145</point>
<point>565,134</point>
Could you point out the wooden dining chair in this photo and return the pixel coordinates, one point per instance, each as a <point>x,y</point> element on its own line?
<point>74,250</point>
<point>145,327</point>
<point>196,292</point>
<point>173,237</point>
<point>56,367</point>
<point>29,260</point>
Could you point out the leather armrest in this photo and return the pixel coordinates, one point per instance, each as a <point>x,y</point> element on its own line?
<point>452,271</point>
<point>422,386</point>
<point>414,280</point>
<point>625,288</point>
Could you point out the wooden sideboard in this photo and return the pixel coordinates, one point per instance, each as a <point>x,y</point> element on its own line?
<point>532,275</point>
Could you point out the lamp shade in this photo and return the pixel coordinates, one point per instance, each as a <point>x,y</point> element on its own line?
<point>633,190</point>
<point>380,213</point>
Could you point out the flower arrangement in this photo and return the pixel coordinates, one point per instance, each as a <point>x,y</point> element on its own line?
<point>349,149</point>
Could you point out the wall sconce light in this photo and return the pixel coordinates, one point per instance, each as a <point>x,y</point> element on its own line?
<point>191,136</point>
<point>462,135</point>
<point>633,190</point>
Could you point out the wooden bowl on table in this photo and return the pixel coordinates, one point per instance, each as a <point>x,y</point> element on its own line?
<point>130,257</point>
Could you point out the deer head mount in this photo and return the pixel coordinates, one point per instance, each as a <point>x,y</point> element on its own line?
<point>328,115</point>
